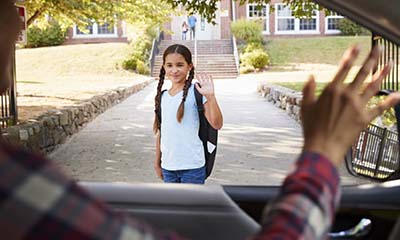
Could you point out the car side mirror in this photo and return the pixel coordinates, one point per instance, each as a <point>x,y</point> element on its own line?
<point>375,154</point>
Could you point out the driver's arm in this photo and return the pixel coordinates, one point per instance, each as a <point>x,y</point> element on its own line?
<point>307,202</point>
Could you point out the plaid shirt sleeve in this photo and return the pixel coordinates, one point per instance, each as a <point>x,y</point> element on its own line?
<point>306,205</point>
<point>38,202</point>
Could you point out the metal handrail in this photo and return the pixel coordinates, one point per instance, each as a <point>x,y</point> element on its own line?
<point>195,52</point>
<point>155,50</point>
<point>235,53</point>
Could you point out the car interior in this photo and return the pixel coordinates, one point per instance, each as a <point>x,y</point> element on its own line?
<point>369,211</point>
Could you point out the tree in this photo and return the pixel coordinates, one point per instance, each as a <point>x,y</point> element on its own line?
<point>208,8</point>
<point>67,12</point>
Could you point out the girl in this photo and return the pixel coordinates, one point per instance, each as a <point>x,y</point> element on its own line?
<point>185,29</point>
<point>179,150</point>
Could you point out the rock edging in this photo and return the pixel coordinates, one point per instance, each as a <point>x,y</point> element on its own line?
<point>45,132</point>
<point>284,98</point>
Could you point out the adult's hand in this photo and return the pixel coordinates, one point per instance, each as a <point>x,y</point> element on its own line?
<point>332,122</point>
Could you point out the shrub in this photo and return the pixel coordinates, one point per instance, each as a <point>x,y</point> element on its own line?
<point>349,28</point>
<point>129,64</point>
<point>246,69</point>
<point>137,60</point>
<point>142,68</point>
<point>257,58</point>
<point>247,31</point>
<point>51,35</point>
<point>253,47</point>
<point>250,44</point>
<point>151,31</point>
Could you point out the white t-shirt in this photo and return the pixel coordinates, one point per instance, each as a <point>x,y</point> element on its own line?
<point>181,147</point>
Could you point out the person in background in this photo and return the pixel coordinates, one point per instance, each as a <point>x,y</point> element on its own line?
<point>185,29</point>
<point>38,202</point>
<point>192,26</point>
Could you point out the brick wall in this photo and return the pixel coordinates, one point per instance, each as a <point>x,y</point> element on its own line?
<point>241,12</point>
<point>226,8</point>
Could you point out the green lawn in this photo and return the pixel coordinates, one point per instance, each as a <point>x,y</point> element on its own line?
<point>76,61</point>
<point>298,86</point>
<point>52,77</point>
<point>74,71</point>
<point>319,50</point>
<point>286,52</point>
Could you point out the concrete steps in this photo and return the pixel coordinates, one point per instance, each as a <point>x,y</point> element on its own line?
<point>214,57</point>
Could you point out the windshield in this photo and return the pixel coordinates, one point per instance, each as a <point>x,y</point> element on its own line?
<point>103,94</point>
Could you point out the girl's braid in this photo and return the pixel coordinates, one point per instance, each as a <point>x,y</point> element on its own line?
<point>157,100</point>
<point>188,83</point>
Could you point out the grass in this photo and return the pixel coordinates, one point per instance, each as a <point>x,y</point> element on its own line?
<point>64,75</point>
<point>317,50</point>
<point>75,60</point>
<point>298,86</point>
<point>287,53</point>
<point>72,71</point>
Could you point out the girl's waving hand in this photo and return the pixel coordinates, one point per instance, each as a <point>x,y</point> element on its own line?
<point>206,87</point>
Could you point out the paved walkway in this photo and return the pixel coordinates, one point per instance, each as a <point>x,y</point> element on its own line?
<point>257,144</point>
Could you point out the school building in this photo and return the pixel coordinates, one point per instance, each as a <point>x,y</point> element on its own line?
<point>277,23</point>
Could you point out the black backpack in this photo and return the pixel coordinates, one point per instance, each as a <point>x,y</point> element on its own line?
<point>207,134</point>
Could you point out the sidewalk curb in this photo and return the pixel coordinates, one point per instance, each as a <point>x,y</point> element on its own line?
<point>44,133</point>
<point>282,97</point>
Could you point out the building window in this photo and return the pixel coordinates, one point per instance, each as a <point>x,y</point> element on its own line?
<point>332,22</point>
<point>202,24</point>
<point>105,29</point>
<point>285,19</point>
<point>308,24</point>
<point>89,30</point>
<point>95,30</point>
<point>260,13</point>
<point>286,23</point>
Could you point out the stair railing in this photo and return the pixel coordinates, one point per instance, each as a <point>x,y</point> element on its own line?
<point>235,53</point>
<point>155,50</point>
<point>195,52</point>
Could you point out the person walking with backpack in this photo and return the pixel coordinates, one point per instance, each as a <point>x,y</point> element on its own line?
<point>180,153</point>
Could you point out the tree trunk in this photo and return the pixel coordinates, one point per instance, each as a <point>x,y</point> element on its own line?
<point>35,16</point>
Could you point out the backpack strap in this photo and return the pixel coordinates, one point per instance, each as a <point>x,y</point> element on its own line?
<point>159,113</point>
<point>207,134</point>
<point>203,129</point>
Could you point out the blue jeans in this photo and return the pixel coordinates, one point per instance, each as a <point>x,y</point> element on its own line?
<point>197,176</point>
<point>192,32</point>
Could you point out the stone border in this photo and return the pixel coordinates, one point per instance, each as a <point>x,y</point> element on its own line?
<point>45,132</point>
<point>285,98</point>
